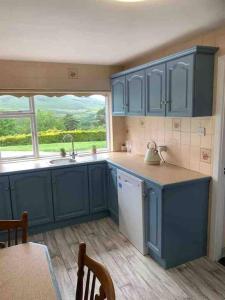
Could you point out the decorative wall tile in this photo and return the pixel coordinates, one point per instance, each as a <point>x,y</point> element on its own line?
<point>205,155</point>
<point>176,124</point>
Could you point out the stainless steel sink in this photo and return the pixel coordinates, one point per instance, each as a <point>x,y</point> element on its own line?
<point>62,161</point>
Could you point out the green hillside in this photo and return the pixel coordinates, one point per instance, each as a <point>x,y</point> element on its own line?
<point>60,105</point>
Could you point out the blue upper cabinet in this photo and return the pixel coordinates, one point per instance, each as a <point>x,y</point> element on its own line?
<point>118,96</point>
<point>179,100</point>
<point>5,202</point>
<point>178,85</point>
<point>135,93</point>
<point>97,187</point>
<point>70,192</point>
<point>32,192</point>
<point>156,90</point>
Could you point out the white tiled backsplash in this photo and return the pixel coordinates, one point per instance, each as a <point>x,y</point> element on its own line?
<point>186,147</point>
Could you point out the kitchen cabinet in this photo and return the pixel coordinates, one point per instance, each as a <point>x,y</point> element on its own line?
<point>5,202</point>
<point>118,96</point>
<point>135,93</point>
<point>32,192</point>
<point>176,221</point>
<point>70,192</point>
<point>154,215</point>
<point>97,187</point>
<point>156,90</point>
<point>112,193</point>
<point>178,85</point>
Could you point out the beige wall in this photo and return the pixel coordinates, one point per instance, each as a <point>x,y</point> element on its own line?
<point>185,147</point>
<point>215,38</point>
<point>54,76</point>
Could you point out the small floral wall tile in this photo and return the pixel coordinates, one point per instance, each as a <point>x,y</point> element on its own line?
<point>205,155</point>
<point>176,124</point>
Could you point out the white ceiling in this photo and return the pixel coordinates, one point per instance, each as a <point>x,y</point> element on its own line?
<point>98,31</point>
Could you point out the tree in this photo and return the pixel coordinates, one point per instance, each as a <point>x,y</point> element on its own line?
<point>7,127</point>
<point>70,123</point>
<point>100,117</point>
<point>47,120</point>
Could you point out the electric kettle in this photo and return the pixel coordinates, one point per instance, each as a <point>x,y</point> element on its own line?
<point>152,156</point>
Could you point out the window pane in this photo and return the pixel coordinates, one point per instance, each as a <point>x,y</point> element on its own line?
<point>82,117</point>
<point>15,137</point>
<point>11,103</point>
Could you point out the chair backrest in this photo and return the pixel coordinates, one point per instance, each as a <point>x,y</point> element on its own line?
<point>99,272</point>
<point>11,226</point>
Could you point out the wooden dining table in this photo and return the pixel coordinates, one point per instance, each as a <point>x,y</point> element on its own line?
<point>26,273</point>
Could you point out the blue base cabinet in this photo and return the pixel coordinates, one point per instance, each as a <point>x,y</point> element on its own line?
<point>112,193</point>
<point>154,217</point>
<point>97,187</point>
<point>70,192</point>
<point>5,201</point>
<point>32,192</point>
<point>177,221</point>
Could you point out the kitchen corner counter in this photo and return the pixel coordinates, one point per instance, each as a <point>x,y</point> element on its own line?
<point>164,174</point>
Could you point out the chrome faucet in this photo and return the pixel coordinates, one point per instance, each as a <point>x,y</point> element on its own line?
<point>67,137</point>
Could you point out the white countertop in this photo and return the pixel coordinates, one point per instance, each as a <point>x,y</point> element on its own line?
<point>163,174</point>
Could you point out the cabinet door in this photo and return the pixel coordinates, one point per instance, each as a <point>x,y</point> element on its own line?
<point>180,86</point>
<point>112,193</point>
<point>97,187</point>
<point>5,203</point>
<point>32,192</point>
<point>135,93</point>
<point>118,96</point>
<point>70,192</point>
<point>154,218</point>
<point>156,90</point>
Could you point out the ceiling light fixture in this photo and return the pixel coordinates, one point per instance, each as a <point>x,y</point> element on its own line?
<point>130,0</point>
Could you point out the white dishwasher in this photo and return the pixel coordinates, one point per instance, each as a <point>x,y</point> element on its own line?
<point>131,209</point>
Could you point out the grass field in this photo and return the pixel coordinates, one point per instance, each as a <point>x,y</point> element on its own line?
<point>55,147</point>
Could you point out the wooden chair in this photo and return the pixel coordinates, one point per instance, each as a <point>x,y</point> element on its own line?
<point>15,225</point>
<point>106,290</point>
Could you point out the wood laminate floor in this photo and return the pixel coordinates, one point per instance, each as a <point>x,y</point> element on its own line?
<point>135,276</point>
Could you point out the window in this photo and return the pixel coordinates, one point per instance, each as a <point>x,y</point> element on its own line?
<point>36,126</point>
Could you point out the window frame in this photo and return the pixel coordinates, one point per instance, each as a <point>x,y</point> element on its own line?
<point>34,132</point>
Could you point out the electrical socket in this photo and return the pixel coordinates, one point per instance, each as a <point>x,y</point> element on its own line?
<point>201,131</point>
